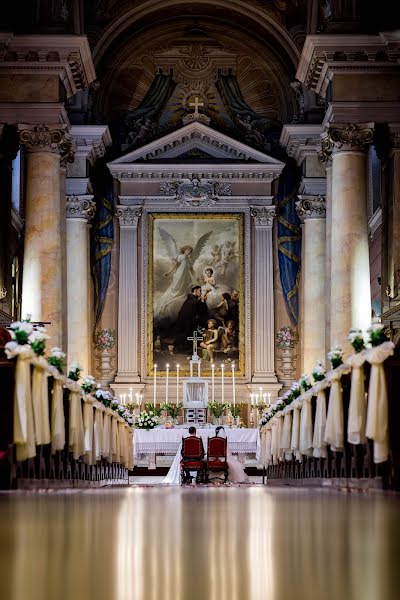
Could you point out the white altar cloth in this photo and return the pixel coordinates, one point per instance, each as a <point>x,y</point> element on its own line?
<point>166,441</point>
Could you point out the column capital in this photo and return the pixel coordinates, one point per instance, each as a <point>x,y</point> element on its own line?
<point>47,138</point>
<point>346,137</point>
<point>81,207</point>
<point>128,215</point>
<point>263,216</point>
<point>311,207</point>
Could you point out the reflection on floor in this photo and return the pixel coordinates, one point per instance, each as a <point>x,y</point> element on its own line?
<point>236,543</point>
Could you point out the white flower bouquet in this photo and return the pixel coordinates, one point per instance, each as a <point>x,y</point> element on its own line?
<point>57,359</point>
<point>20,331</point>
<point>356,339</point>
<point>376,333</point>
<point>37,340</point>
<point>335,356</point>
<point>305,382</point>
<point>74,371</point>
<point>147,420</point>
<point>318,371</point>
<point>88,384</point>
<point>104,396</point>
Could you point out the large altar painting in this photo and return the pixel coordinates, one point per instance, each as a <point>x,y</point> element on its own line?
<point>196,284</point>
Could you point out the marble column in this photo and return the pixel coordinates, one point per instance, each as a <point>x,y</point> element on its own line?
<point>350,276</point>
<point>42,274</point>
<point>128,326</point>
<point>328,167</point>
<point>263,322</point>
<point>311,210</point>
<point>80,209</point>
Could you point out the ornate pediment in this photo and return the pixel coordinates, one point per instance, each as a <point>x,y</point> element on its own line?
<point>197,141</point>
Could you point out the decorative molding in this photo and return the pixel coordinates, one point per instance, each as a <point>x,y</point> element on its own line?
<point>195,192</point>
<point>81,207</point>
<point>312,186</point>
<point>361,112</point>
<point>47,138</point>
<point>311,207</point>
<point>324,55</point>
<point>301,140</point>
<point>128,216</point>
<point>346,137</point>
<point>91,141</point>
<point>68,56</point>
<point>263,216</point>
<point>191,136</point>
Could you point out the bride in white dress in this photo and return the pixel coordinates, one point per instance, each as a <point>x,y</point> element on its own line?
<point>236,472</point>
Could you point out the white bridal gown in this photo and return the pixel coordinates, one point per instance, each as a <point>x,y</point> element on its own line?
<point>236,472</point>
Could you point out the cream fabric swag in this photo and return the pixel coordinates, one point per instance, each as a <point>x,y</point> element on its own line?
<point>40,400</point>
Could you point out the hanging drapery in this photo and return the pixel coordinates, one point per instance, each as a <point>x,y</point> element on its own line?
<point>155,99</point>
<point>289,239</point>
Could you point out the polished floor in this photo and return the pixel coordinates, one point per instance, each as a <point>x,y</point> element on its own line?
<point>156,543</point>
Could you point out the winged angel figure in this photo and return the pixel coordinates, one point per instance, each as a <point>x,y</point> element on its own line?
<point>182,272</point>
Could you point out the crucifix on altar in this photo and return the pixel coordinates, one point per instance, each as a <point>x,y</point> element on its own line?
<point>196,338</point>
<point>196,104</point>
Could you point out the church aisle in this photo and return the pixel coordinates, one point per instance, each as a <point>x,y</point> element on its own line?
<point>152,543</point>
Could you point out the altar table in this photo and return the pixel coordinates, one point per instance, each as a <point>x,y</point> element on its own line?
<point>166,441</point>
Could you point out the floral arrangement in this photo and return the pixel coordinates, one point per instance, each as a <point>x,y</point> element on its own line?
<point>305,382</point>
<point>335,356</point>
<point>147,420</point>
<point>286,338</point>
<point>318,371</point>
<point>376,334</point>
<point>74,371</point>
<point>154,410</point>
<point>236,409</point>
<point>172,409</point>
<point>21,330</point>
<point>57,359</point>
<point>88,384</point>
<point>356,339</point>
<point>105,339</point>
<point>271,411</point>
<point>217,409</point>
<point>37,340</point>
<point>105,397</point>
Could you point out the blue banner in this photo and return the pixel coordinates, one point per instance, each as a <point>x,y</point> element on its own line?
<point>289,240</point>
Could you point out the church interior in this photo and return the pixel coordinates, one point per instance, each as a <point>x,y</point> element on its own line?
<point>199,299</point>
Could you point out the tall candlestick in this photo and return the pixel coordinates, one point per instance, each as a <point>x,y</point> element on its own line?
<point>177,384</point>
<point>269,399</point>
<point>212,381</point>
<point>140,401</point>
<point>222,383</point>
<point>198,368</point>
<point>233,385</point>
<point>251,400</point>
<point>130,395</point>
<point>256,395</point>
<point>155,386</point>
<point>191,368</point>
<point>166,384</point>
<point>265,398</point>
<point>261,394</point>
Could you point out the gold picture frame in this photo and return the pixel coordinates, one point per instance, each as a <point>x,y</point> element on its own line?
<point>238,232</point>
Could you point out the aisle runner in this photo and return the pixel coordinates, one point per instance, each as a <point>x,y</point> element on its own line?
<point>166,441</point>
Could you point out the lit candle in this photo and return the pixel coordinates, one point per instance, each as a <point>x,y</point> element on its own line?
<point>251,400</point>
<point>261,394</point>
<point>155,386</point>
<point>140,401</point>
<point>222,383</point>
<point>123,398</point>
<point>269,399</point>
<point>137,399</point>
<point>233,385</point>
<point>177,384</point>
<point>166,384</point>
<point>212,381</point>
<point>198,368</point>
<point>256,395</point>
<point>265,398</point>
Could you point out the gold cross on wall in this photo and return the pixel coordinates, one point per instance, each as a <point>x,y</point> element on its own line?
<point>196,105</point>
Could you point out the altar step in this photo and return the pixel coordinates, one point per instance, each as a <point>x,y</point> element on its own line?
<point>162,471</point>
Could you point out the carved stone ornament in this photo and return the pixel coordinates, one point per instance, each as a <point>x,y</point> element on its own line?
<point>263,215</point>
<point>195,192</point>
<point>80,207</point>
<point>345,137</point>
<point>311,207</point>
<point>48,138</point>
<point>128,215</point>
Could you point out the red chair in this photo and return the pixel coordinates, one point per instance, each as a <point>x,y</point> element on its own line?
<point>192,459</point>
<point>216,457</point>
